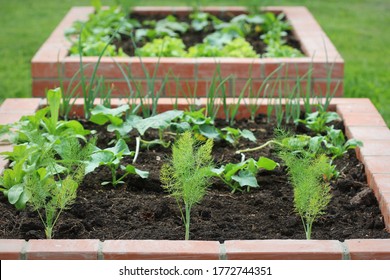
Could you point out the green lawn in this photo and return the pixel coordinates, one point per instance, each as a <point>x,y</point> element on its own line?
<point>358,29</point>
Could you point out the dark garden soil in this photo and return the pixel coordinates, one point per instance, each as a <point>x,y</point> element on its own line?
<point>192,37</point>
<point>141,209</point>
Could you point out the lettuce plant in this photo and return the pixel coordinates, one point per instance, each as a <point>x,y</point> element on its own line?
<point>164,47</point>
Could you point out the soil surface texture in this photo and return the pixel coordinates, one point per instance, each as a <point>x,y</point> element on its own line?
<point>141,209</point>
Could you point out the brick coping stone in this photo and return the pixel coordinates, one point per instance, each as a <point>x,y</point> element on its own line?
<point>361,121</point>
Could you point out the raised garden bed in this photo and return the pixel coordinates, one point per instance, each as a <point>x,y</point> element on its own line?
<point>193,75</point>
<point>361,120</point>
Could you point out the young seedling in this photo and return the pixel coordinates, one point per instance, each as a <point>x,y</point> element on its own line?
<point>111,157</point>
<point>188,174</point>
<point>243,174</point>
<point>317,121</point>
<point>51,196</point>
<point>311,192</point>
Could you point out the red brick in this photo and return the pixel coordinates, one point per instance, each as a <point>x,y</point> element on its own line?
<point>274,88</point>
<point>40,87</point>
<point>283,249</point>
<point>384,205</point>
<point>359,119</point>
<point>369,249</point>
<point>380,183</point>
<point>235,67</point>
<point>322,88</point>
<point>375,148</point>
<point>62,249</point>
<point>160,250</point>
<point>163,67</point>
<point>23,106</point>
<point>368,132</point>
<point>376,165</point>
<point>109,68</point>
<point>361,108</point>
<point>299,67</point>
<point>9,118</point>
<point>11,249</point>
<point>187,88</point>
<point>44,69</point>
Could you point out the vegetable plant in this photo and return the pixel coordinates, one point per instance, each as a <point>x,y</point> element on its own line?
<point>187,176</point>
<point>243,174</point>
<point>159,38</point>
<point>111,157</point>
<point>318,120</point>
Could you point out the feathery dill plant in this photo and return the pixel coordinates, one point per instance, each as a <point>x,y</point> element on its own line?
<point>311,191</point>
<point>188,174</point>
<point>51,191</point>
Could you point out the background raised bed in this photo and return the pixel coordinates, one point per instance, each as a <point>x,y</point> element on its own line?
<point>195,75</point>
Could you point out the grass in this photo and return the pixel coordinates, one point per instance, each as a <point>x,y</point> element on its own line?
<point>357,28</point>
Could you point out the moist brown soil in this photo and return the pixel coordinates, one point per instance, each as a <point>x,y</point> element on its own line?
<point>141,209</point>
<point>192,37</point>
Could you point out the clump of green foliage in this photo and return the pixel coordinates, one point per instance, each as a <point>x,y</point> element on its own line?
<point>187,176</point>
<point>50,194</point>
<point>311,191</point>
<point>164,47</point>
<point>243,174</point>
<point>161,38</point>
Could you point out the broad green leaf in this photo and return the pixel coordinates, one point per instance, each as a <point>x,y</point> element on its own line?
<point>42,173</point>
<point>21,203</point>
<point>77,127</point>
<point>54,99</point>
<point>123,129</point>
<point>248,135</point>
<point>18,152</point>
<point>119,148</point>
<point>353,143</point>
<point>231,130</point>
<point>98,158</point>
<point>14,193</point>
<point>160,121</point>
<point>245,178</point>
<point>101,114</point>
<point>209,131</point>
<point>332,116</point>
<point>132,170</point>
<point>266,163</point>
<point>232,169</point>
<point>180,127</point>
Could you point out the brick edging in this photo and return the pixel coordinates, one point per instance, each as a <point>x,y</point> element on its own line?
<point>361,121</point>
<point>88,249</point>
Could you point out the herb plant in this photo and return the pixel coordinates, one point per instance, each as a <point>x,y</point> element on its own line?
<point>187,176</point>
<point>311,192</point>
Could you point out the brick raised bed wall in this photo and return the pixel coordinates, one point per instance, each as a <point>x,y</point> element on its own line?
<point>361,120</point>
<point>190,73</point>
